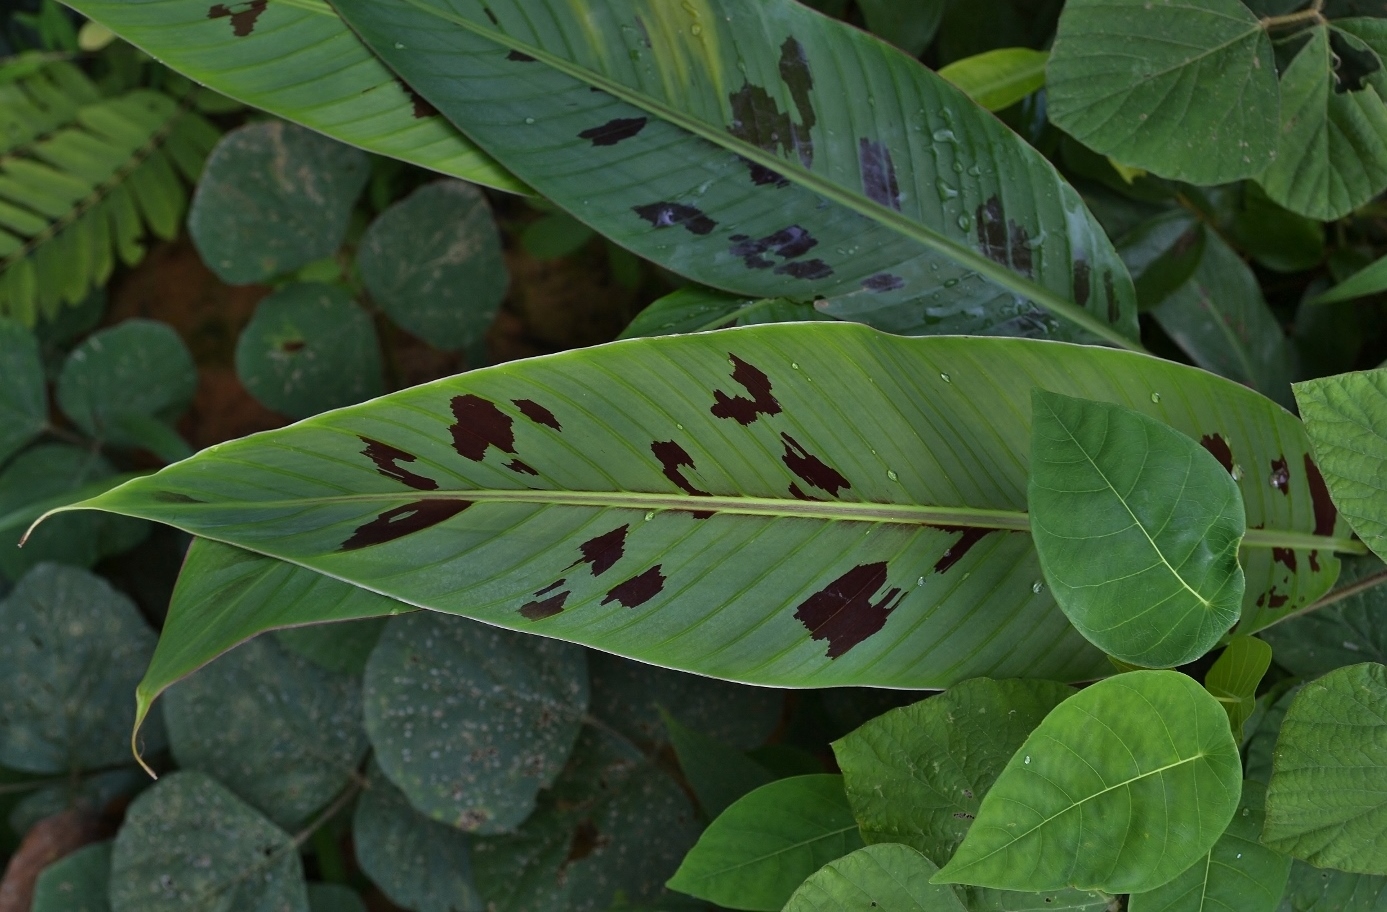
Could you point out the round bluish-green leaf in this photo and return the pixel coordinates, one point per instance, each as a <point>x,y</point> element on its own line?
<point>189,843</point>
<point>121,377</point>
<point>1239,873</point>
<point>274,197</point>
<point>309,348</point>
<point>471,721</point>
<point>419,863</point>
<point>333,898</point>
<point>1186,89</point>
<point>282,733</point>
<point>71,652</point>
<point>23,396</point>
<point>77,883</point>
<point>888,876</point>
<point>433,263</point>
<point>758,851</point>
<point>1120,789</point>
<point>340,646</point>
<point>1137,528</point>
<point>1327,801</point>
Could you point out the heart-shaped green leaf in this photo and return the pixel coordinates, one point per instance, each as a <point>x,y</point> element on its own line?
<point>1158,783</point>
<point>1162,512</point>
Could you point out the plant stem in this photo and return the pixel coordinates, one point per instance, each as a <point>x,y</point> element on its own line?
<point>329,812</point>
<point>1313,14</point>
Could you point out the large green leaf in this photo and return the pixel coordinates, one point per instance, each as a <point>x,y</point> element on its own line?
<point>1326,800</point>
<point>764,846</point>
<point>1183,88</point>
<point>998,79</point>
<point>1161,512</point>
<point>1234,679</point>
<point>1158,783</point>
<point>1370,280</point>
<point>300,61</point>
<point>1347,631</point>
<point>718,138</point>
<point>1239,874</point>
<point>77,883</point>
<point>717,774</point>
<point>1320,890</point>
<point>553,496</point>
<point>1346,417</point>
<point>893,877</point>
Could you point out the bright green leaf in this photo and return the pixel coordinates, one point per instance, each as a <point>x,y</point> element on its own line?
<point>1234,678</point>
<point>273,198</point>
<point>1369,280</point>
<point>77,883</point>
<point>1326,801</point>
<point>1350,630</point>
<point>999,79</point>
<point>469,721</point>
<point>280,732</point>
<point>886,876</point>
<point>1158,786</point>
<point>188,843</point>
<point>1239,874</point>
<point>308,349</point>
<point>1165,517</point>
<point>23,397</point>
<point>1182,88</point>
<point>718,774</point>
<point>762,848</point>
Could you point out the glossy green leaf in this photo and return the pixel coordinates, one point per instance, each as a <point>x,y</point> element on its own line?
<point>998,79</point>
<point>333,898</point>
<point>1158,786</point>
<point>138,369</point>
<point>1313,889</point>
<point>887,876</point>
<point>188,843</point>
<point>310,348</point>
<point>342,646</point>
<point>1349,630</point>
<point>1162,254</point>
<point>418,863</point>
<point>1261,745</point>
<point>1234,678</point>
<point>762,848</point>
<point>1330,155</point>
<point>719,144</point>
<point>717,773</point>
<point>77,883</point>
<point>469,721</point>
<point>1239,874</point>
<point>1162,512</point>
<point>1346,418</point>
<point>280,732</point>
<point>1369,280</point>
<point>274,197</point>
<point>608,547</point>
<point>264,56</point>
<point>1182,88</point>
<point>908,24</point>
<point>1326,800</point>
<point>433,263</point>
<point>23,397</point>
<point>70,654</point>
<point>696,309</point>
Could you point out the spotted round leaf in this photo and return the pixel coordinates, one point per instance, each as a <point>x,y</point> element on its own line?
<point>77,883</point>
<point>470,721</point>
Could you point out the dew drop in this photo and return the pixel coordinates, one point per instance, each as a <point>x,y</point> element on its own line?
<point>1246,812</point>
<point>680,426</point>
<point>920,581</point>
<point>1237,472</point>
<point>945,136</point>
<point>950,283</point>
<point>1028,760</point>
<point>398,46</point>
<point>649,515</point>
<point>529,120</point>
<point>891,474</point>
<point>794,365</point>
<point>1037,587</point>
<point>965,222</point>
<point>1156,397</point>
<point>945,378</point>
<point>946,192</point>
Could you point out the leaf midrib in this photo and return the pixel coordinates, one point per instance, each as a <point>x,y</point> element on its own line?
<point>916,231</point>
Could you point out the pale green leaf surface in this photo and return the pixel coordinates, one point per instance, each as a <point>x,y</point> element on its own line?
<point>189,844</point>
<point>717,773</point>
<point>1158,786</point>
<point>1182,88</point>
<point>1351,630</point>
<point>1370,280</point>
<point>77,883</point>
<point>938,436</point>
<point>998,79</point>
<point>1234,677</point>
<point>1165,517</point>
<point>1326,803</point>
<point>1346,418</point>
<point>1238,875</point>
<point>469,721</point>
<point>283,734</point>
<point>885,876</point>
<point>762,848</point>
<point>23,396</point>
<point>301,62</point>
<point>719,143</point>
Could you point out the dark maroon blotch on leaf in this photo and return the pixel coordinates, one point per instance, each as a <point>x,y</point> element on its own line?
<point>1314,557</point>
<point>809,270</point>
<point>1285,557</point>
<point>614,131</point>
<point>388,458</point>
<point>812,469</point>
<point>670,215</point>
<point>481,424</point>
<point>787,243</point>
<point>798,494</point>
<point>401,521</point>
<point>638,590</point>
<point>520,57</point>
<point>419,103</point>
<point>602,553</point>
<point>673,458</point>
<point>762,176</point>
<point>1326,514</point>
<point>879,174</point>
<point>537,413</point>
<point>969,536</point>
<point>883,282</point>
<point>843,612</point>
<point>243,19</point>
<point>1219,449</point>
<point>521,468</point>
<point>739,408</point>
<point>1001,240</point>
<point>1281,475</point>
<point>1082,290</point>
<point>538,610</point>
